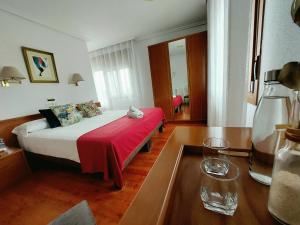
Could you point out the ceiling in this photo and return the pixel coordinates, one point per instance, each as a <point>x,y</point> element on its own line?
<point>104,22</point>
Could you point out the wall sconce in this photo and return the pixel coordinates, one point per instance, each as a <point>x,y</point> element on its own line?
<point>296,11</point>
<point>10,74</point>
<point>76,78</point>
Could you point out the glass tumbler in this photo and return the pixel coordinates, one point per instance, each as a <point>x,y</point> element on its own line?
<point>220,193</point>
<point>215,148</point>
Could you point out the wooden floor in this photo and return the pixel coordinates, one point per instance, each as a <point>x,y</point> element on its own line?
<point>184,114</point>
<point>50,192</point>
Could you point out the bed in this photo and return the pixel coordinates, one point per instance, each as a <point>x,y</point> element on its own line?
<point>105,143</point>
<point>177,102</point>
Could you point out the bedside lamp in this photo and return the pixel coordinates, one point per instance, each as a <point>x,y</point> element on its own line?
<point>76,78</point>
<point>10,74</point>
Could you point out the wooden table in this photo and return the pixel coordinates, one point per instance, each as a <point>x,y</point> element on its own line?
<point>156,202</point>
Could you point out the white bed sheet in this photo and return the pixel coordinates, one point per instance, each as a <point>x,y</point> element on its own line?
<point>61,141</point>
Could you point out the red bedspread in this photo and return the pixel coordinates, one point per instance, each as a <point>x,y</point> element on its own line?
<point>177,101</point>
<point>107,148</point>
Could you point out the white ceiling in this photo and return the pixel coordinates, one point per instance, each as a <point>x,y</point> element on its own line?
<point>104,22</point>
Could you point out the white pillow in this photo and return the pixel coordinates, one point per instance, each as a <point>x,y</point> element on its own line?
<point>31,126</point>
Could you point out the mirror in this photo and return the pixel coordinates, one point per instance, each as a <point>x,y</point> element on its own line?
<point>179,75</point>
<point>296,11</point>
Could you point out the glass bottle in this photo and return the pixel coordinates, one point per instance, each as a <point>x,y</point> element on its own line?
<point>273,109</point>
<point>284,195</point>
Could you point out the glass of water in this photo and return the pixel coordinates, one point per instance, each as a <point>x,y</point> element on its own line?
<point>220,193</point>
<point>215,148</point>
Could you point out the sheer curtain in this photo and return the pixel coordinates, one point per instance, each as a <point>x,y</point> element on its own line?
<point>217,21</point>
<point>115,76</point>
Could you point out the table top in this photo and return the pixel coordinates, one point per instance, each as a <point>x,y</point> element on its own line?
<point>149,206</point>
<point>9,151</point>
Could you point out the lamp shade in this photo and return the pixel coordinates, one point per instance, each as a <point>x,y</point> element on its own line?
<point>290,75</point>
<point>296,11</point>
<point>76,78</point>
<point>10,73</point>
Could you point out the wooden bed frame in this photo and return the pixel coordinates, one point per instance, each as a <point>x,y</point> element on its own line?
<point>41,161</point>
<point>36,160</point>
<point>6,127</point>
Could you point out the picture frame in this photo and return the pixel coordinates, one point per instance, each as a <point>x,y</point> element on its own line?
<point>40,65</point>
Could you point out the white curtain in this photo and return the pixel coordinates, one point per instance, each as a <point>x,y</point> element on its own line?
<point>217,21</point>
<point>115,76</point>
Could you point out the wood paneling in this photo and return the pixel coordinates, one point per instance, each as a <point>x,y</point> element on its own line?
<point>6,126</point>
<point>13,168</point>
<point>197,73</point>
<point>196,46</point>
<point>161,77</point>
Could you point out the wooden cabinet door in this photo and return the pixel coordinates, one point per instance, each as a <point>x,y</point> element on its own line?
<point>161,77</point>
<point>197,70</point>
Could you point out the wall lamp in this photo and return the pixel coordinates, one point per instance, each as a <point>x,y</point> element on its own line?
<point>290,75</point>
<point>77,78</point>
<point>10,74</point>
<point>296,11</point>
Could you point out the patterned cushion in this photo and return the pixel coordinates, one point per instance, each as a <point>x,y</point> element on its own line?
<point>89,109</point>
<point>67,114</point>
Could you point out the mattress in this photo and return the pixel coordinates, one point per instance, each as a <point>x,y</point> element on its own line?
<point>60,142</point>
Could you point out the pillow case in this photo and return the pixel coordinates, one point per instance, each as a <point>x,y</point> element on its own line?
<point>89,109</point>
<point>31,126</point>
<point>50,117</point>
<point>66,114</point>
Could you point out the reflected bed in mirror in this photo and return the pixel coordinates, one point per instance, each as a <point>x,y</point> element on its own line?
<point>179,75</point>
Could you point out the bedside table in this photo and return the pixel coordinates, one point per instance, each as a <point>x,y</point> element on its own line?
<point>13,167</point>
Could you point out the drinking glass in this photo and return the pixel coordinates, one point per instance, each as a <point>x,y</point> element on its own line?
<point>214,148</point>
<point>220,193</point>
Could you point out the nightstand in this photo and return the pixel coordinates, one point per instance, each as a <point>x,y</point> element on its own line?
<point>13,167</point>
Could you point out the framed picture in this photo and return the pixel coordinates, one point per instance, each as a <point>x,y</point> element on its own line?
<point>40,66</point>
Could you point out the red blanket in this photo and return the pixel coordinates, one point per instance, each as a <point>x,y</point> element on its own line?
<point>107,148</point>
<point>177,101</point>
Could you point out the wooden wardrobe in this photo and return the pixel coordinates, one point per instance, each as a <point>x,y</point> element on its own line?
<point>196,48</point>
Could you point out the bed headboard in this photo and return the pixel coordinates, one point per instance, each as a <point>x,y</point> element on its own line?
<point>6,126</point>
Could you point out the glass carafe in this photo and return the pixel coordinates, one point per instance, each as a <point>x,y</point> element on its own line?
<point>273,109</point>
<point>284,195</point>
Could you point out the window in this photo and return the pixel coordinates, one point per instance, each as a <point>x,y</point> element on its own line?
<point>115,76</point>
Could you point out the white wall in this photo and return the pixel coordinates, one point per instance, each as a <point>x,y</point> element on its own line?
<point>143,57</point>
<point>239,28</point>
<point>281,38</point>
<point>70,56</point>
<point>179,74</point>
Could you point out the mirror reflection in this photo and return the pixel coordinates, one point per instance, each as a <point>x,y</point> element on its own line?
<point>179,75</point>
